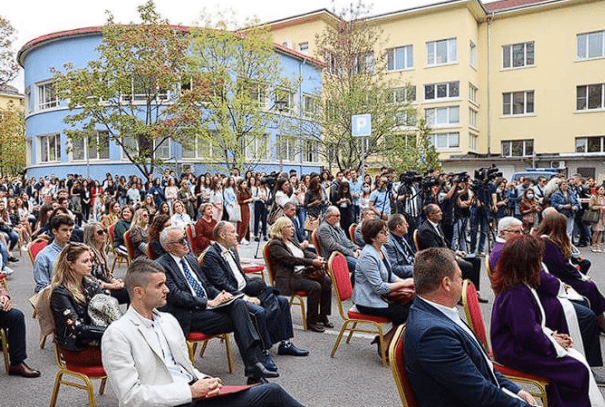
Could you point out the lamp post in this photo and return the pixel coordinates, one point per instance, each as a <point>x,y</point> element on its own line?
<point>281,106</point>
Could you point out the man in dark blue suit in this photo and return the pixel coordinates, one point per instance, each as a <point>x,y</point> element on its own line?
<point>399,251</point>
<point>446,364</point>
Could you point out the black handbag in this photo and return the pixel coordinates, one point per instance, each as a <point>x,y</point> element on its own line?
<point>590,216</point>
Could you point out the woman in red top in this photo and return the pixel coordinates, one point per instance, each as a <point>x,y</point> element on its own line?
<point>203,230</point>
<point>244,197</point>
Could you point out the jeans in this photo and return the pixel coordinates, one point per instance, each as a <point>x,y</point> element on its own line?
<point>264,395</point>
<point>14,322</point>
<point>3,255</point>
<point>459,237</point>
<point>478,224</point>
<point>260,216</point>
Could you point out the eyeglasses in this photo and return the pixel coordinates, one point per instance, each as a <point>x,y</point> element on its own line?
<point>182,240</point>
<point>517,232</point>
<point>101,232</point>
<point>145,215</point>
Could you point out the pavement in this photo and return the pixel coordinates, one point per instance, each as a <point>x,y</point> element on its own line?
<point>354,378</point>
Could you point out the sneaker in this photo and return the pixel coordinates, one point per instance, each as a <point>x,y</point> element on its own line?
<point>7,271</point>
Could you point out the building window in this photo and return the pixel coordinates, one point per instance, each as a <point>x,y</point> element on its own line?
<point>442,116</point>
<point>445,141</point>
<point>311,151</point>
<point>518,55</point>
<point>95,147</point>
<point>257,148</point>
<point>473,93</point>
<point>592,144</point>
<point>47,96</point>
<point>472,117</point>
<point>287,146</point>
<point>364,63</point>
<point>310,106</point>
<point>441,52</point>
<point>442,90</point>
<point>130,145</point>
<point>517,148</point>
<point>406,118</point>
<point>199,148</point>
<point>590,96</point>
<point>257,92</point>
<point>139,92</point>
<point>518,103</point>
<point>402,95</point>
<point>591,45</point>
<point>400,58</point>
<point>472,141</point>
<point>163,150</point>
<point>304,47</point>
<point>473,54</point>
<point>286,99</point>
<point>50,148</point>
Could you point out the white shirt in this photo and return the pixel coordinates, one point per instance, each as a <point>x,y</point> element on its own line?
<point>239,277</point>
<point>296,252</point>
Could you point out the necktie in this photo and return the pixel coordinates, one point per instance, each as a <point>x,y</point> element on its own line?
<point>197,287</point>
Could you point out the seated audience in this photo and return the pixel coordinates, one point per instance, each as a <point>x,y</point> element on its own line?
<point>72,291</point>
<point>141,378</point>
<point>203,230</point>
<point>138,232</point>
<point>430,234</point>
<point>291,264</point>
<point>519,336</point>
<point>399,251</point>
<point>300,235</point>
<point>446,364</point>
<point>61,226</point>
<point>377,290</point>
<point>120,228</point>
<point>332,238</point>
<point>180,217</point>
<point>365,215</point>
<point>13,321</point>
<point>160,222</point>
<point>189,301</point>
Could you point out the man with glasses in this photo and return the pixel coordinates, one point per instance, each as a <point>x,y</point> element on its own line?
<point>568,316</point>
<point>399,251</point>
<point>332,238</point>
<point>200,307</point>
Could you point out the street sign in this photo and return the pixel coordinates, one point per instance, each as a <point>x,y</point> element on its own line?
<point>362,125</point>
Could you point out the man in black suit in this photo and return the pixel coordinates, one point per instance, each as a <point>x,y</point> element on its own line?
<point>189,302</point>
<point>271,311</point>
<point>430,234</point>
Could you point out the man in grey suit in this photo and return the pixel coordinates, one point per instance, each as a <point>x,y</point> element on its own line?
<point>146,360</point>
<point>332,238</point>
<point>399,251</point>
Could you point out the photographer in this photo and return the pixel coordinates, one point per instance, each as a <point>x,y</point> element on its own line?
<point>463,214</point>
<point>447,201</point>
<point>380,199</point>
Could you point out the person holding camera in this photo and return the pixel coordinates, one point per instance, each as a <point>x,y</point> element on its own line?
<point>380,199</point>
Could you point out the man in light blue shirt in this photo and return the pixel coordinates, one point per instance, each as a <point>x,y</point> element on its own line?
<point>380,199</point>
<point>61,226</point>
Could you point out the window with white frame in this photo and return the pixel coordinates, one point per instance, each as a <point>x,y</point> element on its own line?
<point>47,96</point>
<point>472,117</point>
<point>138,91</point>
<point>590,45</point>
<point>441,52</point>
<point>310,106</point>
<point>518,55</point>
<point>473,93</point>
<point>399,58</point>
<point>517,148</point>
<point>304,47</point>
<point>286,148</point>
<point>311,151</point>
<point>406,118</point>
<point>28,152</point>
<point>201,147</point>
<point>402,95</point>
<point>518,103</point>
<point>472,141</point>
<point>592,144</point>
<point>445,90</point>
<point>364,63</point>
<point>590,97</point>
<point>257,148</point>
<point>130,145</point>
<point>94,147</point>
<point>442,116</point>
<point>472,54</point>
<point>50,148</point>
<point>163,149</point>
<point>286,99</point>
<point>256,91</point>
<point>445,141</point>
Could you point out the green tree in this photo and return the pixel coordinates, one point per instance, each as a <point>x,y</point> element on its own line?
<point>130,92</point>
<point>241,72</point>
<point>8,65</point>
<point>412,151</point>
<point>356,82</point>
<point>12,140</point>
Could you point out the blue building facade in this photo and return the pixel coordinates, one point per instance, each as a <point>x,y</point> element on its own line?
<point>50,153</point>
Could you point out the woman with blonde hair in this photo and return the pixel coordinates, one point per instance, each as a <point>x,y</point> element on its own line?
<point>72,289</point>
<point>138,232</point>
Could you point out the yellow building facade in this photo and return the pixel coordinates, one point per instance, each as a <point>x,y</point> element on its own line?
<point>516,83</point>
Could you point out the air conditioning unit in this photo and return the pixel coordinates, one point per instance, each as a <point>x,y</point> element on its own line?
<point>287,44</point>
<point>557,164</point>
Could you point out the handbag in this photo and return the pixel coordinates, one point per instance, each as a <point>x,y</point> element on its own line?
<point>590,216</point>
<point>103,309</point>
<point>235,214</point>
<point>311,223</point>
<point>314,273</point>
<point>276,213</point>
<point>402,296</point>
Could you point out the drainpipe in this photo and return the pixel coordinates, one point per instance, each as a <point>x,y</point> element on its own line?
<point>300,114</point>
<point>489,73</point>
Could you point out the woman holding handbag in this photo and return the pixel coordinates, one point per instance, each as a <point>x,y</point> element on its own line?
<point>597,203</point>
<point>300,269</point>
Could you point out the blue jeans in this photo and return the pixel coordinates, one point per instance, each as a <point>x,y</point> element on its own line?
<point>459,237</point>
<point>478,224</point>
<point>4,255</point>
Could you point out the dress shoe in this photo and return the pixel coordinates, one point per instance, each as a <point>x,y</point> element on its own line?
<point>325,322</point>
<point>23,370</point>
<point>256,380</point>
<point>599,379</point>
<point>290,349</point>
<point>13,259</point>
<point>315,327</point>
<point>259,370</point>
<point>267,360</point>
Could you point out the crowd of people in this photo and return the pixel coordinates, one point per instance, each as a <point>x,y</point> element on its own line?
<point>173,220</point>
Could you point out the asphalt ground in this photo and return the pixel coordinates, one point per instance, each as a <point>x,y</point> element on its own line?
<point>354,378</point>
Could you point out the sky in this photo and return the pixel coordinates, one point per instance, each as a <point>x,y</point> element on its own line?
<point>34,18</point>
